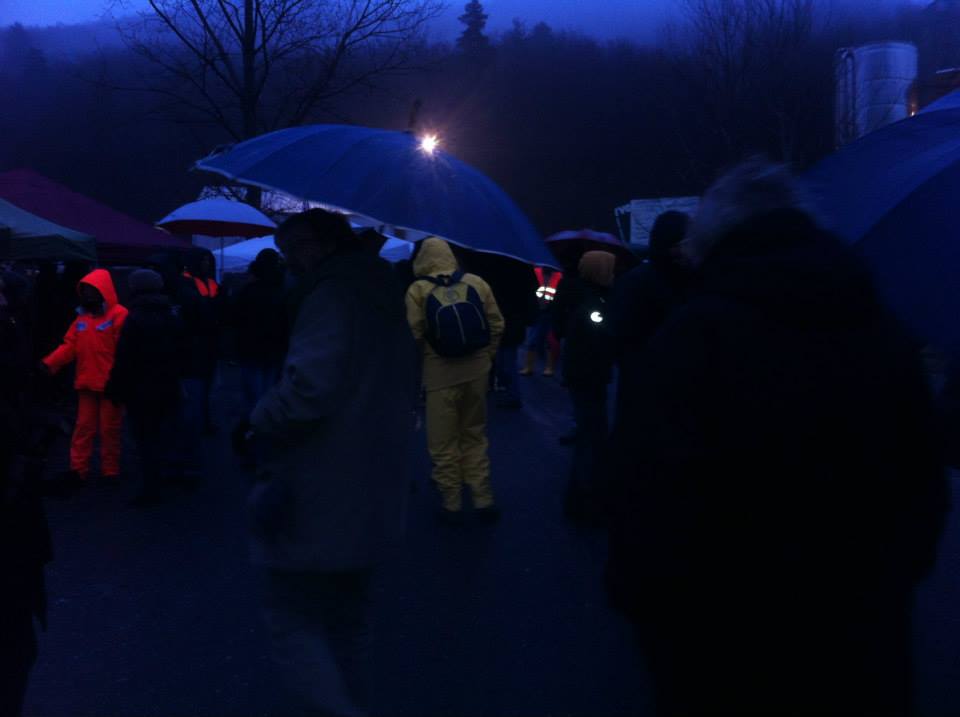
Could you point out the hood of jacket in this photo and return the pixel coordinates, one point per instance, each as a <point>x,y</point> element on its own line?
<point>785,267</point>
<point>100,280</point>
<point>435,258</point>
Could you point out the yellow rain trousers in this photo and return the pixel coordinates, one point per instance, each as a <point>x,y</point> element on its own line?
<point>457,440</point>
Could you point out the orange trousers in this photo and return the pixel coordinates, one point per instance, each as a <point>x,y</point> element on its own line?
<point>96,414</point>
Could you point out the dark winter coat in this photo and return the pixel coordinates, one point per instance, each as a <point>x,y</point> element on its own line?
<point>582,320</point>
<point>25,545</point>
<point>642,300</point>
<point>780,490</point>
<point>339,424</point>
<point>201,316</point>
<point>149,363</point>
<point>260,318</point>
<point>515,286</point>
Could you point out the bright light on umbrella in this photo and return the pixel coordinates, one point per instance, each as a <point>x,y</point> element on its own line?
<point>429,143</point>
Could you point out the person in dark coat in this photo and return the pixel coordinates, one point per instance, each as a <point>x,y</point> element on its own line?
<point>25,546</point>
<point>50,326</point>
<point>201,315</point>
<point>779,486</point>
<point>514,283</point>
<point>517,298</point>
<point>259,316</point>
<point>330,501</point>
<point>146,379</point>
<point>588,344</point>
<point>644,297</point>
<point>541,339</point>
<point>201,308</point>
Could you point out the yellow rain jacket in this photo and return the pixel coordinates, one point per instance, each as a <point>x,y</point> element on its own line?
<point>436,259</point>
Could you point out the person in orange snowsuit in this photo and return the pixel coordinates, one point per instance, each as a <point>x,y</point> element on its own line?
<point>91,341</point>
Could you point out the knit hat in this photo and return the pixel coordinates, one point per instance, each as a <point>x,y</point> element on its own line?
<point>145,281</point>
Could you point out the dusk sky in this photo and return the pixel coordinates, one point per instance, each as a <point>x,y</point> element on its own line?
<point>604,18</point>
<point>600,17</point>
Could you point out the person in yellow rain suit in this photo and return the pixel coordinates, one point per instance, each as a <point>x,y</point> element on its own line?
<point>457,324</point>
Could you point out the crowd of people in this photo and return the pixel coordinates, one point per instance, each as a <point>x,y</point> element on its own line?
<point>770,472</point>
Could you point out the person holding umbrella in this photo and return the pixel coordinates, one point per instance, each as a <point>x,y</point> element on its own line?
<point>333,437</point>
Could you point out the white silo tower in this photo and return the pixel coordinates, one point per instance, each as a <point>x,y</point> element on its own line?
<point>873,87</point>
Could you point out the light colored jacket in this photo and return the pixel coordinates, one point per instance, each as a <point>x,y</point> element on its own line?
<point>436,259</point>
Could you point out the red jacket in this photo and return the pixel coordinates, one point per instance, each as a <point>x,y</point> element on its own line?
<point>91,340</point>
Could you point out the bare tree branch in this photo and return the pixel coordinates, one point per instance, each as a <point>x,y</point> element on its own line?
<point>252,65</point>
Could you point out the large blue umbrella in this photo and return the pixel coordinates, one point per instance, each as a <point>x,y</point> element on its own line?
<point>895,194</point>
<point>391,177</point>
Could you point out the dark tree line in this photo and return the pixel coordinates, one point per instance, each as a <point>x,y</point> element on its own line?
<point>570,125</point>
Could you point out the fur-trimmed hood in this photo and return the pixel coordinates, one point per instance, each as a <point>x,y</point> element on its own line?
<point>755,188</point>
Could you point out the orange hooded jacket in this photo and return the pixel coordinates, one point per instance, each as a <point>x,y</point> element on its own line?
<point>91,340</point>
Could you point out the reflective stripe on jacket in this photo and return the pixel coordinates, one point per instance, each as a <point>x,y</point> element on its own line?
<point>547,286</point>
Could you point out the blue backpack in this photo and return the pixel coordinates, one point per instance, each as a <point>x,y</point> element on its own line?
<point>456,317</point>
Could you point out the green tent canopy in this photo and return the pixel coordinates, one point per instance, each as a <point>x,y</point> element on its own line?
<point>27,237</point>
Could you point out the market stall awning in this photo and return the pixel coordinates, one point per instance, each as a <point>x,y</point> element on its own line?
<point>121,239</point>
<point>27,237</point>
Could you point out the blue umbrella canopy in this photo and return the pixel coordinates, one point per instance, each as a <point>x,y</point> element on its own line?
<point>390,177</point>
<point>895,194</point>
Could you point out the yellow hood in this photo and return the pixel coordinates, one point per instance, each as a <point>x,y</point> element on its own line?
<point>434,259</point>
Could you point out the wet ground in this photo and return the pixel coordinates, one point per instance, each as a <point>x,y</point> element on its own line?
<point>156,612</point>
